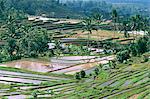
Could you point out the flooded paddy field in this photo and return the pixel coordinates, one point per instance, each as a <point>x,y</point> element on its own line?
<point>59,65</point>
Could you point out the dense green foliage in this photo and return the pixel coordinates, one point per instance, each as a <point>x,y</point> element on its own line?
<point>51,8</point>
<point>125,8</point>
<point>123,55</point>
<point>76,9</point>
<point>20,38</point>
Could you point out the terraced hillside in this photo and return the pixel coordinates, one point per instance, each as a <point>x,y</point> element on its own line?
<point>118,84</point>
<point>127,81</point>
<point>72,28</point>
<point>22,84</point>
<point>121,83</point>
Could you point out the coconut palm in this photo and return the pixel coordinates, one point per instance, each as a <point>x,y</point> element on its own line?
<point>125,28</point>
<point>133,24</point>
<point>138,23</point>
<point>97,18</point>
<point>114,19</point>
<point>144,25</point>
<point>88,26</point>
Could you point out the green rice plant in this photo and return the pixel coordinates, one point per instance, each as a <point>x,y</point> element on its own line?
<point>145,93</point>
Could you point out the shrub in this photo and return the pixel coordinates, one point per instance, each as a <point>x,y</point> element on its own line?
<point>96,71</point>
<point>83,74</point>
<point>148,45</point>
<point>133,50</point>
<point>123,55</point>
<point>77,76</point>
<point>145,58</point>
<point>5,56</point>
<point>100,66</point>
<point>112,64</point>
<point>142,45</point>
<point>34,94</point>
<point>103,75</point>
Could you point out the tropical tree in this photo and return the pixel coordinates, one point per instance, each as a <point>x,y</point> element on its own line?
<point>96,71</point>
<point>26,40</point>
<point>33,40</point>
<point>114,19</point>
<point>148,32</point>
<point>89,27</point>
<point>77,76</point>
<point>97,18</point>
<point>148,43</point>
<point>133,25</point>
<point>138,23</point>
<point>11,34</point>
<point>142,45</point>
<point>133,49</point>
<point>83,74</point>
<point>123,56</point>
<point>125,27</point>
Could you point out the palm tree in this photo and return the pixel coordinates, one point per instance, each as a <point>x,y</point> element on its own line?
<point>133,24</point>
<point>138,23</point>
<point>97,18</point>
<point>88,26</point>
<point>148,32</point>
<point>144,25</point>
<point>115,19</point>
<point>33,40</point>
<point>25,41</point>
<point>125,28</point>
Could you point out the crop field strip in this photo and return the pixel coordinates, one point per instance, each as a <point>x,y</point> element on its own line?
<point>36,86</point>
<point>113,80</point>
<point>28,77</point>
<point>129,93</point>
<point>117,78</point>
<point>148,81</point>
<point>56,89</point>
<point>121,91</point>
<point>67,91</point>
<point>34,76</point>
<point>131,77</point>
<point>58,86</point>
<point>141,93</point>
<point>29,85</point>
<point>147,96</point>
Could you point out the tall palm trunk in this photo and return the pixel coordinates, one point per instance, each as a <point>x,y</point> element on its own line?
<point>114,30</point>
<point>88,43</point>
<point>88,40</point>
<point>98,41</point>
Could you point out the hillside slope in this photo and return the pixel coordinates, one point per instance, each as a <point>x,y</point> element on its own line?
<point>51,8</point>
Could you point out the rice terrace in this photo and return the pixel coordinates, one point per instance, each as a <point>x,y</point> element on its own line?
<point>74,49</point>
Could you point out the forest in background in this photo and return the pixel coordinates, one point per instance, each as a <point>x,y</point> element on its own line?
<point>80,8</point>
